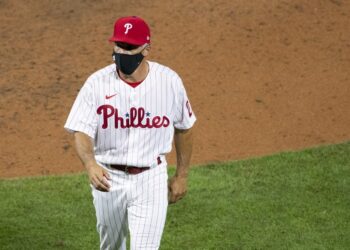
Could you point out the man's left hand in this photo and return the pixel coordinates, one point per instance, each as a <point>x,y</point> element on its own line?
<point>177,187</point>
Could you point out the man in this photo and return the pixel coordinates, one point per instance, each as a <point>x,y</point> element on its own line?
<point>124,120</point>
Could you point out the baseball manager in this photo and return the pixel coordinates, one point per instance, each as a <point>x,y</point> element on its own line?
<point>124,120</point>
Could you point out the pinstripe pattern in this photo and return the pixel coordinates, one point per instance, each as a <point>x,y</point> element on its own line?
<point>161,94</point>
<point>104,105</point>
<point>138,202</point>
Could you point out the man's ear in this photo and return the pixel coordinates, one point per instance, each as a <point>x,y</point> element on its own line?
<point>146,51</point>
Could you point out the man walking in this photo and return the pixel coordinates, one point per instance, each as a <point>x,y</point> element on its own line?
<point>124,120</point>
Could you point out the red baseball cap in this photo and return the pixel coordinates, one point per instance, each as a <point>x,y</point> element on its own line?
<point>132,29</point>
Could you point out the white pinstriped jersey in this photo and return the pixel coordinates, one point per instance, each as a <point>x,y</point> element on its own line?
<point>131,126</point>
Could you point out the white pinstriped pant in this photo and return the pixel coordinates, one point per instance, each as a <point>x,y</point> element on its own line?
<point>135,202</point>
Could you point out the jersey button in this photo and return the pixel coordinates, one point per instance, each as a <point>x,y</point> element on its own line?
<point>133,98</point>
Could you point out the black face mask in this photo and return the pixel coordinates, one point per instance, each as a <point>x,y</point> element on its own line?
<point>127,64</point>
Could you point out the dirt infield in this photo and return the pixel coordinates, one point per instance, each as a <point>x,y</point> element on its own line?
<point>263,76</point>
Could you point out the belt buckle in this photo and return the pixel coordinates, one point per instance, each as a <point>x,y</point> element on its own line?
<point>127,169</point>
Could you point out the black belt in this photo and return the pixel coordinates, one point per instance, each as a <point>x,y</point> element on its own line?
<point>133,169</point>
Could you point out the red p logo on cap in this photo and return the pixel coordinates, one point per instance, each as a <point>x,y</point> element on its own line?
<point>132,30</point>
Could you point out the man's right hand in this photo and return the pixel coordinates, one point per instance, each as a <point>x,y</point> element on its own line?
<point>98,177</point>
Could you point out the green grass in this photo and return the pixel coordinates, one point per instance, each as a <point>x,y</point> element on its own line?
<point>297,200</point>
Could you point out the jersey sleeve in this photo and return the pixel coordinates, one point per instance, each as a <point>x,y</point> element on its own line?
<point>82,116</point>
<point>184,116</point>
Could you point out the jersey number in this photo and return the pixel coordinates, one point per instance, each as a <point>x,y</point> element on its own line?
<point>188,106</point>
